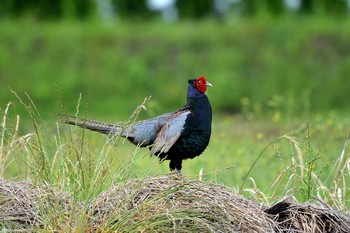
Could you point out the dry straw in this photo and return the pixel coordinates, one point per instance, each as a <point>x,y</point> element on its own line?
<point>159,204</point>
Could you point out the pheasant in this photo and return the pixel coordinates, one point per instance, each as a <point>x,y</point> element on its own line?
<point>173,136</point>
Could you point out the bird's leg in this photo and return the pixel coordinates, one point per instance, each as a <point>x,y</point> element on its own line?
<point>175,166</point>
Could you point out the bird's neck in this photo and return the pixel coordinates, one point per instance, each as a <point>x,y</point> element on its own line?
<point>193,92</point>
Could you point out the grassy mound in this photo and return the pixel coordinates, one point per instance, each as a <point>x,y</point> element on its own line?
<point>159,204</point>
<point>169,203</point>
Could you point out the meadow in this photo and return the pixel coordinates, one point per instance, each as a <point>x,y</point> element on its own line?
<point>280,94</point>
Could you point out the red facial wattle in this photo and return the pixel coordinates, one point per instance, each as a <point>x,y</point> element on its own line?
<point>201,84</point>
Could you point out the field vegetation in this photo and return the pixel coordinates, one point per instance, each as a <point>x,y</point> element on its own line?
<point>280,101</point>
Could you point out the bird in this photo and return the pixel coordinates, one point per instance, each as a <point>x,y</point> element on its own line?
<point>174,136</point>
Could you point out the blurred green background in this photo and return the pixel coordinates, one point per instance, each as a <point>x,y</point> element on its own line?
<point>260,55</point>
<point>274,65</point>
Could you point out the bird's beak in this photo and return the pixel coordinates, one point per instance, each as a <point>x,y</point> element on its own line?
<point>208,84</point>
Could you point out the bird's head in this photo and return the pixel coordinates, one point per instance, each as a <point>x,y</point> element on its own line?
<point>198,86</point>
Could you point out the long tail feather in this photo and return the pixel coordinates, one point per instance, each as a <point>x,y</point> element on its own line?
<point>98,126</point>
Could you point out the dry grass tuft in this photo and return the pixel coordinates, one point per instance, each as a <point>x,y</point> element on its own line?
<point>159,204</point>
<point>26,205</point>
<point>299,217</point>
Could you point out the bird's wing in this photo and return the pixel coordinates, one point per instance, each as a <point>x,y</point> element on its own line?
<point>170,132</point>
<point>98,126</point>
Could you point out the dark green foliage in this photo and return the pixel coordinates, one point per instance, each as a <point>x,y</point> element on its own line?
<point>138,9</point>
<point>194,9</point>
<point>325,7</point>
<point>275,7</point>
<point>335,8</point>
<point>48,9</point>
<point>306,6</point>
<point>132,9</point>
<point>255,7</point>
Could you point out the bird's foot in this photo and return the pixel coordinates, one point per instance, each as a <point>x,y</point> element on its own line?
<point>176,172</point>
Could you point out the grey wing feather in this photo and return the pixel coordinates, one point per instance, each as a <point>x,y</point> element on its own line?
<point>144,133</point>
<point>170,132</point>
